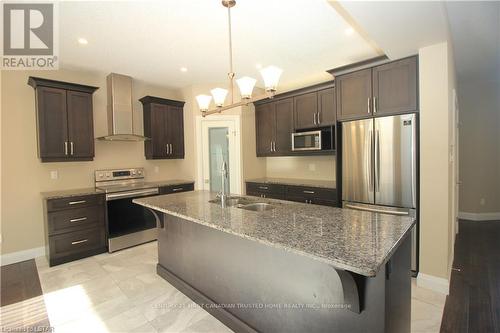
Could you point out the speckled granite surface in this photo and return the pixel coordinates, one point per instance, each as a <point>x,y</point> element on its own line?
<point>356,241</point>
<point>171,182</point>
<point>70,193</point>
<point>297,182</point>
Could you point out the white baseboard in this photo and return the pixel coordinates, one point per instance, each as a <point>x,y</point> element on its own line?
<point>434,283</point>
<point>11,258</point>
<point>479,216</point>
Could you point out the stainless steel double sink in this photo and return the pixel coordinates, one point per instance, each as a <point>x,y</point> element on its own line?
<point>244,203</point>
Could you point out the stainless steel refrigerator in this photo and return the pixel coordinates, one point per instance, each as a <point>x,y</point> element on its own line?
<point>379,167</point>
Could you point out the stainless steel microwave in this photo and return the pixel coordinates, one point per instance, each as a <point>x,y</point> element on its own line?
<point>312,140</point>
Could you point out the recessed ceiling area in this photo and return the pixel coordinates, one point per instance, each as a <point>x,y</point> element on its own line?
<point>152,40</point>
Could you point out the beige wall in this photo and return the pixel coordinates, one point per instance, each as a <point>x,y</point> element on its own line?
<point>479,146</point>
<point>307,167</point>
<point>24,176</point>
<point>435,84</point>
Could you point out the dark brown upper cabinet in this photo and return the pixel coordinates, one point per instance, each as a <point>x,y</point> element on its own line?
<point>395,87</point>
<point>64,120</point>
<point>315,109</point>
<point>305,110</point>
<point>386,89</point>
<point>274,127</point>
<point>354,92</point>
<point>164,125</point>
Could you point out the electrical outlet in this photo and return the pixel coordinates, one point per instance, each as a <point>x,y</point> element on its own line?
<point>482,202</point>
<point>54,174</point>
<point>312,167</point>
<point>157,169</point>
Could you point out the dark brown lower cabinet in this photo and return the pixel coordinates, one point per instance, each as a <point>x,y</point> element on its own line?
<point>75,227</point>
<point>177,188</point>
<point>311,195</point>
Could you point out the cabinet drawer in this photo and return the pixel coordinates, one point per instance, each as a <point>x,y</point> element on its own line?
<point>311,192</point>
<point>176,188</point>
<point>309,200</point>
<point>266,188</point>
<point>75,219</point>
<point>75,202</point>
<point>77,243</point>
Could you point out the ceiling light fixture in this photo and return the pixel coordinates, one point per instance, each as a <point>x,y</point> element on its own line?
<point>349,31</point>
<point>83,41</point>
<point>183,69</point>
<point>270,75</point>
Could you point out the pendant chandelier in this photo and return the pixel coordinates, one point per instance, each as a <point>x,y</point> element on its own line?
<point>270,75</point>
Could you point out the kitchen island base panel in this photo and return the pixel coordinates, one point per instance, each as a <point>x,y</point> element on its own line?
<point>253,287</point>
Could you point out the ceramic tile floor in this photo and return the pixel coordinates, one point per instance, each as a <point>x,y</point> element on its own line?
<point>121,292</point>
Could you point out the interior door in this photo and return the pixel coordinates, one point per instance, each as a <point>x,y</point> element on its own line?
<point>52,122</point>
<point>357,161</point>
<point>264,125</point>
<point>395,161</point>
<point>220,142</point>
<point>80,124</point>
<point>284,126</point>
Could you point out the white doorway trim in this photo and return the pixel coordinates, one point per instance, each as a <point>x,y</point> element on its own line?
<point>235,163</point>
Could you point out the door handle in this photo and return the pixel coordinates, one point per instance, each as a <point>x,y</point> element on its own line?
<point>264,187</point>
<point>314,118</point>
<point>72,146</point>
<point>77,202</point>
<point>271,143</point>
<point>66,148</point>
<point>377,161</point>
<point>308,192</point>
<point>318,119</point>
<point>171,149</point>
<point>177,189</point>
<point>78,219</point>
<point>274,146</point>
<point>79,242</point>
<point>374,104</point>
<point>368,105</point>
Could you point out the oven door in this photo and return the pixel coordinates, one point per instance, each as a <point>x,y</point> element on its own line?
<point>129,224</point>
<point>306,141</point>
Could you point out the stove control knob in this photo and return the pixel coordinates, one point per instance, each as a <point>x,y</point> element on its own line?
<point>133,173</point>
<point>139,172</point>
<point>100,175</point>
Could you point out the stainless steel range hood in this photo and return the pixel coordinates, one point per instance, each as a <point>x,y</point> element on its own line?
<point>120,112</point>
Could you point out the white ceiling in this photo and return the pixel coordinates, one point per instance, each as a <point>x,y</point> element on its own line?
<point>400,28</point>
<point>475,32</point>
<point>152,40</point>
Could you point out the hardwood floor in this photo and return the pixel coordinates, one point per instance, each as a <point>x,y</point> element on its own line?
<point>22,304</point>
<point>473,304</point>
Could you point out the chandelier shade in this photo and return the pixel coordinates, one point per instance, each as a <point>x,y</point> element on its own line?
<point>246,85</point>
<point>219,96</point>
<point>204,102</point>
<point>271,76</point>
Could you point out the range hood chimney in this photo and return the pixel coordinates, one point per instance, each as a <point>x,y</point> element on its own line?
<point>120,112</point>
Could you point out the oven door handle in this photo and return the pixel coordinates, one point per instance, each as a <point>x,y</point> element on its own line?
<point>131,194</point>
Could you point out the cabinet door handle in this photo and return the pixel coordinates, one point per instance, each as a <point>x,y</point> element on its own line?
<point>177,189</point>
<point>66,148</point>
<point>374,104</point>
<point>171,149</point>
<point>79,242</point>
<point>78,219</point>
<point>168,151</point>
<point>72,146</point>
<point>368,106</point>
<point>77,202</point>
<point>264,187</point>
<point>274,146</point>
<point>308,192</point>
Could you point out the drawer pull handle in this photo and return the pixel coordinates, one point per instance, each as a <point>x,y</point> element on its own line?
<point>78,219</point>
<point>79,242</point>
<point>177,189</point>
<point>309,192</point>
<point>264,187</point>
<point>77,202</point>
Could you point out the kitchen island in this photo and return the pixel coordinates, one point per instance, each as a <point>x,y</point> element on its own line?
<point>292,268</point>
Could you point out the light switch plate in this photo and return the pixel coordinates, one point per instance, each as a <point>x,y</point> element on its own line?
<point>54,174</point>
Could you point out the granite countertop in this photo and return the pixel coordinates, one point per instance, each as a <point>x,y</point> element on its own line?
<point>70,193</point>
<point>357,241</point>
<point>297,182</point>
<point>171,182</point>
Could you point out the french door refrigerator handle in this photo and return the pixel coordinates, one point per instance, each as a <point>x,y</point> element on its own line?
<point>371,184</point>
